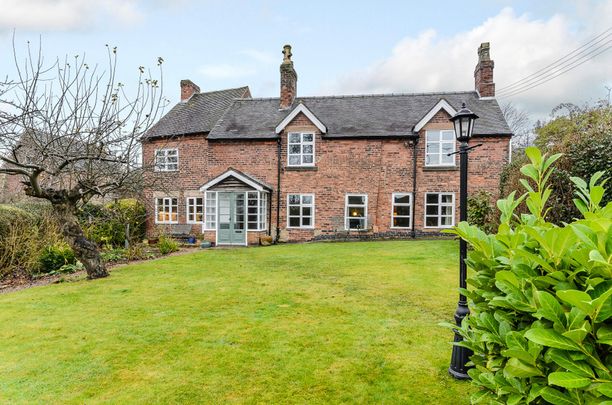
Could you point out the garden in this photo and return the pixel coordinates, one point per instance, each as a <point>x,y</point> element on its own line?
<point>358,324</point>
<point>33,249</point>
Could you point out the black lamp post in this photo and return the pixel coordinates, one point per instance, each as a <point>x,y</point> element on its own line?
<point>464,125</point>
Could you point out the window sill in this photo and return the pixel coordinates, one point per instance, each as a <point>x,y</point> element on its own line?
<point>300,228</point>
<point>301,168</point>
<point>440,168</point>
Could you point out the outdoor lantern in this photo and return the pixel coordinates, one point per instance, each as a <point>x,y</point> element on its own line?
<point>464,123</point>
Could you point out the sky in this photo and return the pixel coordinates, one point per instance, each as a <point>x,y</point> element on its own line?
<point>339,47</point>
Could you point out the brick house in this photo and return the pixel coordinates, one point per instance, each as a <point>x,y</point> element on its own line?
<point>309,168</point>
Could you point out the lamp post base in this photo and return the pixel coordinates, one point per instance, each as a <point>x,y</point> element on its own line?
<point>461,355</point>
<point>459,358</point>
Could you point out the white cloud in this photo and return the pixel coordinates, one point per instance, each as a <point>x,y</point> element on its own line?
<point>65,15</point>
<point>520,46</point>
<point>225,71</point>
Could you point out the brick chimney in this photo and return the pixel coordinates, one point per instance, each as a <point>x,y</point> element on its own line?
<point>288,80</point>
<point>483,74</point>
<point>188,89</point>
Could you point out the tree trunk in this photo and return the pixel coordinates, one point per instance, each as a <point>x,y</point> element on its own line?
<point>84,250</point>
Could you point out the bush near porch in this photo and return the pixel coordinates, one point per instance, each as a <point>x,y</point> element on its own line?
<point>310,323</point>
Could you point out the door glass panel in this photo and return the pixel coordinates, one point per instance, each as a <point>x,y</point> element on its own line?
<point>239,212</point>
<point>224,209</point>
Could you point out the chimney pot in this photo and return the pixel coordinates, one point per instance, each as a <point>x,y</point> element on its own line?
<point>188,89</point>
<point>483,74</point>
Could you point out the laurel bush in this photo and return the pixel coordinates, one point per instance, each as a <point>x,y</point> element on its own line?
<point>540,297</point>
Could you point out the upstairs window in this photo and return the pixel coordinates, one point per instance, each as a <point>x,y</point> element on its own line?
<point>438,145</point>
<point>300,149</point>
<point>166,160</point>
<point>166,210</point>
<point>356,211</point>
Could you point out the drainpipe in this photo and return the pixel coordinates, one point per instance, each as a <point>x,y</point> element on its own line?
<point>414,183</point>
<point>278,186</point>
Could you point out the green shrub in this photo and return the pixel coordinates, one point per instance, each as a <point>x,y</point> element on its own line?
<point>11,215</point>
<point>113,255</point>
<point>481,212</point>
<point>167,245</point>
<point>584,137</point>
<point>55,256</point>
<point>540,298</point>
<point>106,224</point>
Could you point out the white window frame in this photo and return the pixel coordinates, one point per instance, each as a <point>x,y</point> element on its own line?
<point>263,211</point>
<point>302,144</point>
<point>191,209</point>
<point>165,204</point>
<point>164,167</point>
<point>210,210</point>
<point>440,153</point>
<point>346,212</point>
<point>439,216</point>
<point>393,205</point>
<point>301,205</point>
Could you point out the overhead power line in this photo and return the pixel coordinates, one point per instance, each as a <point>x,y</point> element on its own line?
<point>570,61</point>
<point>598,39</point>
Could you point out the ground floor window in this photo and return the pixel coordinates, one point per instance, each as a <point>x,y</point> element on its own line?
<point>257,210</point>
<point>300,210</point>
<point>401,211</point>
<point>356,211</point>
<point>166,210</point>
<point>210,209</point>
<point>439,210</point>
<point>195,210</point>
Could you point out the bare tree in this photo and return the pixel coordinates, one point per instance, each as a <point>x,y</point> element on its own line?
<point>72,132</point>
<point>520,124</point>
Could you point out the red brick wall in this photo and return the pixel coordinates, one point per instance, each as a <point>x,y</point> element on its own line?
<point>376,167</point>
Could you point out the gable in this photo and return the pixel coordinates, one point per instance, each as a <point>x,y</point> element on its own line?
<point>231,183</point>
<point>234,179</point>
<point>300,110</point>
<point>441,106</point>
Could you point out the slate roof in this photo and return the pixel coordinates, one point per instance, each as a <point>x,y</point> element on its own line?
<point>356,116</point>
<point>198,115</point>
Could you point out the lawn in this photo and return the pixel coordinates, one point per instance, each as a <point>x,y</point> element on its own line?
<point>311,323</point>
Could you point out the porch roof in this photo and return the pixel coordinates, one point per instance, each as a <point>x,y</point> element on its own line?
<point>233,174</point>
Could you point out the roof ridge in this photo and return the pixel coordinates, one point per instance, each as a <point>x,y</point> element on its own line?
<point>223,90</point>
<point>433,93</point>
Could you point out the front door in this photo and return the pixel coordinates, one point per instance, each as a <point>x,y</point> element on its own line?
<point>231,228</point>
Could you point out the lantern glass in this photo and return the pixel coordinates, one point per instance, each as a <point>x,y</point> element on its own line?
<point>463,123</point>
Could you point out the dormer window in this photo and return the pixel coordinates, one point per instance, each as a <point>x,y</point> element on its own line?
<point>439,144</point>
<point>300,149</point>
<point>166,160</point>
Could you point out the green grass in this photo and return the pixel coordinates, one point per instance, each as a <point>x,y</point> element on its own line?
<point>312,323</point>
